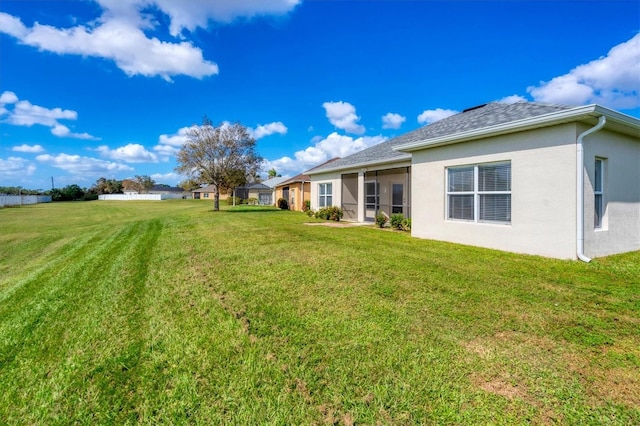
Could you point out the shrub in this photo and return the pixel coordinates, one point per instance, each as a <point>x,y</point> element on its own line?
<point>306,206</point>
<point>406,224</point>
<point>381,220</point>
<point>252,201</point>
<point>283,204</point>
<point>238,201</point>
<point>310,213</point>
<point>329,213</point>
<point>396,220</point>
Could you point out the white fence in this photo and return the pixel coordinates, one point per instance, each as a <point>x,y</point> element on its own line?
<point>19,200</point>
<point>126,197</point>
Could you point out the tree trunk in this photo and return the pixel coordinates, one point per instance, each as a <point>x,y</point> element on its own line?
<point>216,200</point>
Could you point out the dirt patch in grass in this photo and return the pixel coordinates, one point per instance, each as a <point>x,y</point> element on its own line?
<point>502,388</point>
<point>619,384</point>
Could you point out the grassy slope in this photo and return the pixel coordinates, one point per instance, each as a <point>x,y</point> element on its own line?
<point>144,312</point>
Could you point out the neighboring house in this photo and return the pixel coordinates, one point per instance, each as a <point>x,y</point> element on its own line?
<point>272,183</point>
<point>297,189</point>
<point>208,193</point>
<point>169,191</point>
<point>262,193</point>
<point>533,178</point>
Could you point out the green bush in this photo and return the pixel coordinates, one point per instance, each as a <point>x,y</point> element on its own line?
<point>306,206</point>
<point>406,224</point>
<point>283,204</point>
<point>329,213</point>
<point>310,213</point>
<point>396,220</point>
<point>253,201</point>
<point>238,201</point>
<point>381,220</point>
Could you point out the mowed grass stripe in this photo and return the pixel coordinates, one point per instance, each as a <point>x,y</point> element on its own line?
<point>247,316</point>
<point>84,319</point>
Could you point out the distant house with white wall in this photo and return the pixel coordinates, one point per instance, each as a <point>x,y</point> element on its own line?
<point>169,191</point>
<point>551,180</point>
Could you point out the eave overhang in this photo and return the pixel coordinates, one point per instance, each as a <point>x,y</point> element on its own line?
<point>622,122</point>
<point>362,165</point>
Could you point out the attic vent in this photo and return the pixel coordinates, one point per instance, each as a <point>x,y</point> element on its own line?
<point>475,107</point>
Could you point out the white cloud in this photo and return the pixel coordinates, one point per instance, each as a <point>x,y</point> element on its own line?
<point>167,178</point>
<point>83,166</point>
<point>16,167</point>
<point>24,113</point>
<point>191,14</point>
<point>169,145</point>
<point>268,129</point>
<point>130,153</point>
<point>343,116</point>
<point>432,115</point>
<point>119,40</point>
<point>118,34</point>
<point>611,81</point>
<point>512,99</point>
<point>334,145</point>
<point>8,98</point>
<point>63,131</point>
<point>34,149</point>
<point>12,26</point>
<point>392,120</point>
<point>177,139</point>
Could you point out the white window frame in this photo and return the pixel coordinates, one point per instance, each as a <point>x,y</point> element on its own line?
<point>598,193</point>
<point>476,193</point>
<point>325,190</point>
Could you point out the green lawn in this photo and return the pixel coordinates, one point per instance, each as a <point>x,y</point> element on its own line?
<point>168,312</point>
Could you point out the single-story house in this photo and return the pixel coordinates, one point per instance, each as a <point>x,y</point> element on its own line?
<point>169,191</point>
<point>262,193</point>
<point>527,177</point>
<point>208,193</point>
<point>297,190</point>
<point>273,183</point>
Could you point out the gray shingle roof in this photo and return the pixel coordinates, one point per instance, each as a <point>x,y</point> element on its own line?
<point>488,115</point>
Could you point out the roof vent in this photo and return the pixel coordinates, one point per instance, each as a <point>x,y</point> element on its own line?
<point>475,107</point>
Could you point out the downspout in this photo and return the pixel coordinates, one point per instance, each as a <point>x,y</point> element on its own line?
<point>580,188</point>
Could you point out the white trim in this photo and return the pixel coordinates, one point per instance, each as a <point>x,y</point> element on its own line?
<point>580,188</point>
<point>476,193</point>
<point>570,115</point>
<point>393,162</point>
<point>598,181</point>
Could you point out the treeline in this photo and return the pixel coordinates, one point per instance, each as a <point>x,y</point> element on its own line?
<point>73,192</point>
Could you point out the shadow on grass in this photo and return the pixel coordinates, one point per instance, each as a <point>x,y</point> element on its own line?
<point>249,209</point>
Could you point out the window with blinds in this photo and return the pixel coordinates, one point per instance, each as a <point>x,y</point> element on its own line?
<point>480,193</point>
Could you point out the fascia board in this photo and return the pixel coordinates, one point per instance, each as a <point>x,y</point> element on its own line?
<point>573,114</point>
<point>399,159</point>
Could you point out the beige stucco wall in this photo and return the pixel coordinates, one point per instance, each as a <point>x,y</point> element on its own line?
<point>621,223</point>
<point>543,182</point>
<point>335,179</point>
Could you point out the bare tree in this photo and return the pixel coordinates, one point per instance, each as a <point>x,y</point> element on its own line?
<point>223,156</point>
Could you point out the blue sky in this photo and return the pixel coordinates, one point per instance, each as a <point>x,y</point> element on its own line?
<point>108,87</point>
